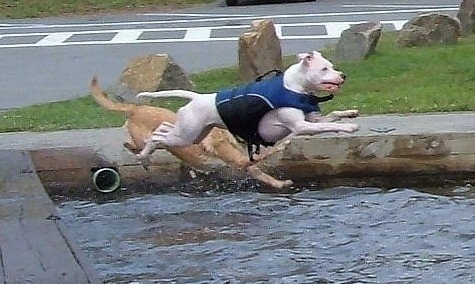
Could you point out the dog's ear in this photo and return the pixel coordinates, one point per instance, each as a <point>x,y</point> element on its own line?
<point>316,54</point>
<point>304,57</point>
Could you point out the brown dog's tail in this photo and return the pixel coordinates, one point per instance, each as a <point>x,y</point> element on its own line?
<point>101,98</point>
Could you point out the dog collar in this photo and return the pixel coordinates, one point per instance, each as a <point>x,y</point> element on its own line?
<point>323,99</point>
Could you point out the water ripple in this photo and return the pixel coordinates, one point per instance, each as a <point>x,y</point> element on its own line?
<point>336,235</point>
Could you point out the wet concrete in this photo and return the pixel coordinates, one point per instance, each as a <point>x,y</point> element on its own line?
<point>34,245</point>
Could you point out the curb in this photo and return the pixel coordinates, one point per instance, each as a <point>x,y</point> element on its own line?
<point>388,151</point>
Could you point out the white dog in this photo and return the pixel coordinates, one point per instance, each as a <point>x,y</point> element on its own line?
<point>262,113</point>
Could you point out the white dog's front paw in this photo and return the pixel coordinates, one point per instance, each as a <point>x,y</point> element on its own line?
<point>339,114</point>
<point>352,113</point>
<point>142,94</point>
<point>349,127</point>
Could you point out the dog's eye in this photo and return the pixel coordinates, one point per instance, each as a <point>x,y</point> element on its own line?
<point>325,69</point>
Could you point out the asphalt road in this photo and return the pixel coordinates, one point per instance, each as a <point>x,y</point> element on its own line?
<point>44,60</point>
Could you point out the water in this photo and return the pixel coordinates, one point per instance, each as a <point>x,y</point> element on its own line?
<point>336,235</point>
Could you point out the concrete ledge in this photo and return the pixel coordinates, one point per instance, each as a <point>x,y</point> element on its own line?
<point>380,155</point>
<point>392,160</point>
<point>34,244</point>
<point>431,148</point>
<point>438,147</point>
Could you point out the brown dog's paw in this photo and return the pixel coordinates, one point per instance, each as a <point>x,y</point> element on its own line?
<point>132,148</point>
<point>287,183</point>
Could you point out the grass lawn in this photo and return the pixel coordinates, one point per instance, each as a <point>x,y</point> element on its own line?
<point>411,80</point>
<point>17,9</point>
<point>394,80</point>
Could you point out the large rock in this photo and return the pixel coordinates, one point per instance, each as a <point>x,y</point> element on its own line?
<point>428,30</point>
<point>150,73</point>
<point>259,50</point>
<point>466,15</point>
<point>357,42</point>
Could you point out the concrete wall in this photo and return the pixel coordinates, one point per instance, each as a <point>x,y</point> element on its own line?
<point>428,149</point>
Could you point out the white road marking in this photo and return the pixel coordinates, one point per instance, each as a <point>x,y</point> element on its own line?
<point>398,25</point>
<point>197,34</point>
<point>233,18</point>
<point>192,15</point>
<point>334,30</point>
<point>126,36</point>
<point>413,6</point>
<point>192,34</point>
<point>54,38</point>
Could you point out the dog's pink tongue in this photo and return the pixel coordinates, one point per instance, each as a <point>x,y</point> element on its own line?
<point>331,87</point>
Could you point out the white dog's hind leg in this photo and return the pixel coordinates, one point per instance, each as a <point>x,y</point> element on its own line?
<point>163,129</point>
<point>191,122</point>
<point>144,155</point>
<point>161,132</point>
<point>168,134</point>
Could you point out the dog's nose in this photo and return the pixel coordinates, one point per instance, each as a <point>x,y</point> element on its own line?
<point>343,76</point>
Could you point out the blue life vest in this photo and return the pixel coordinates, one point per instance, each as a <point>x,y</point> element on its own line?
<point>242,108</point>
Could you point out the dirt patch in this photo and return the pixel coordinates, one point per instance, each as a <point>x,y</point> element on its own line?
<point>135,10</point>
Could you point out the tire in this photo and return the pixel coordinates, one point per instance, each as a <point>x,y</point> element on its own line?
<point>231,2</point>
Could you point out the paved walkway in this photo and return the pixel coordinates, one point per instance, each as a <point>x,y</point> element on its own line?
<point>109,140</point>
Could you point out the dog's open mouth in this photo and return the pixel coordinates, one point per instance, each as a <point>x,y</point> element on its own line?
<point>330,86</point>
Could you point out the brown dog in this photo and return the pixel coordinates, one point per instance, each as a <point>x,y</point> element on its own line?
<point>142,120</point>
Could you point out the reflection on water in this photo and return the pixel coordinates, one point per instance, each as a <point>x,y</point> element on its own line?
<point>338,235</point>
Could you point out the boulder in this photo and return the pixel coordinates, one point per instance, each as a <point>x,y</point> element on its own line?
<point>150,73</point>
<point>358,42</point>
<point>428,30</point>
<point>259,50</point>
<point>466,15</point>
